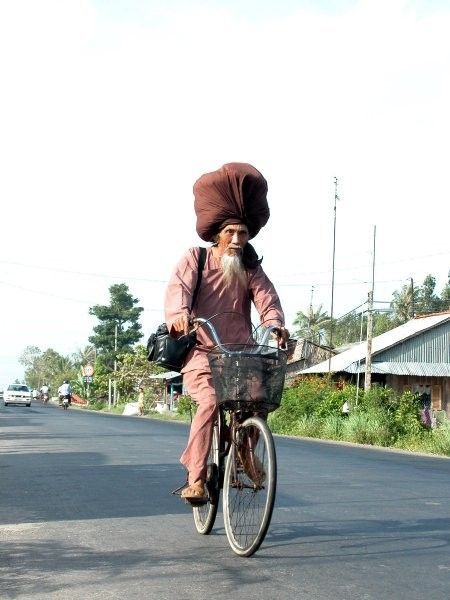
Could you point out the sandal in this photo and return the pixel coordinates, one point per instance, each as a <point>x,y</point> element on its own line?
<point>195,493</point>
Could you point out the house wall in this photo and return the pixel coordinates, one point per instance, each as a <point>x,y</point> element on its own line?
<point>306,354</point>
<point>439,388</point>
<point>432,346</point>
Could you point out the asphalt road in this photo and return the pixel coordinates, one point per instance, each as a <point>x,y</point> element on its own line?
<point>86,512</point>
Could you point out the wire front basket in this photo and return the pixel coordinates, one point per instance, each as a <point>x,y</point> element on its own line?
<point>248,377</point>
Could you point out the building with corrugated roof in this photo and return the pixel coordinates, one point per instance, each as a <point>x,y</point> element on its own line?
<point>414,356</point>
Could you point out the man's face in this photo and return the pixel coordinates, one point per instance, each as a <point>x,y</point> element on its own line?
<point>232,239</point>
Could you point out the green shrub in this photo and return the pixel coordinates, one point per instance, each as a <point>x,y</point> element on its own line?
<point>97,404</point>
<point>150,398</point>
<point>308,426</point>
<point>441,439</point>
<point>371,427</point>
<point>332,427</point>
<point>378,398</point>
<point>298,401</point>
<point>333,400</point>
<point>441,417</point>
<point>433,441</point>
<point>406,415</point>
<point>186,406</point>
<point>312,408</point>
<point>415,443</point>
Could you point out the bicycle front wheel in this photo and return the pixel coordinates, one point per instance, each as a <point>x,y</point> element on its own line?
<point>205,514</point>
<point>249,486</point>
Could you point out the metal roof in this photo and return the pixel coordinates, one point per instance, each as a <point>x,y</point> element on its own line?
<point>350,360</point>
<point>404,368</point>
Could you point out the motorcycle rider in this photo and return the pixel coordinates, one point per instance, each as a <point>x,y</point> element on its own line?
<point>65,390</point>
<point>45,392</point>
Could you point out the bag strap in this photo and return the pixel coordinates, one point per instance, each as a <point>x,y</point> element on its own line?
<point>200,265</point>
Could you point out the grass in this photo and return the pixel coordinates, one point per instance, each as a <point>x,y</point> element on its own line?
<point>369,429</point>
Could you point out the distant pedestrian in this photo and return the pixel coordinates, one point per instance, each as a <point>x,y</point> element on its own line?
<point>141,401</point>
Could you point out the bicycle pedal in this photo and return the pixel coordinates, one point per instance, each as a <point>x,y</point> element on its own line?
<point>196,502</point>
<point>178,490</point>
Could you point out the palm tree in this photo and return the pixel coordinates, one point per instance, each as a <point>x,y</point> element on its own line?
<point>312,324</point>
<point>64,368</point>
<point>84,356</point>
<point>404,303</point>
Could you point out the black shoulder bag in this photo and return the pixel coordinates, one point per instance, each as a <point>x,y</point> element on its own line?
<point>167,351</point>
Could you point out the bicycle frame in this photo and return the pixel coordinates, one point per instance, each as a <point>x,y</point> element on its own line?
<point>227,437</point>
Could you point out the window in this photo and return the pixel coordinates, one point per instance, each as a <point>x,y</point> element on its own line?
<point>436,397</point>
<point>17,388</point>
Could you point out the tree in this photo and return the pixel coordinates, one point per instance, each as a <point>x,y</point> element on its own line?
<point>347,329</point>
<point>46,367</point>
<point>445,295</point>
<point>34,371</point>
<point>382,322</point>
<point>312,324</point>
<point>119,328</point>
<point>134,371</point>
<point>84,356</point>
<point>404,302</point>
<point>428,301</point>
<point>29,356</point>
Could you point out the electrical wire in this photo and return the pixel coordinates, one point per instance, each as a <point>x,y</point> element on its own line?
<point>59,297</point>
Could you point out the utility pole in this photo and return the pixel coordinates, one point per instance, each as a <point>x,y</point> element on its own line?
<point>359,361</point>
<point>336,197</point>
<point>412,298</point>
<point>115,365</point>
<point>368,377</point>
<point>310,314</point>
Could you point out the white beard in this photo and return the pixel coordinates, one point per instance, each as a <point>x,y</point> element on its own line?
<point>233,269</point>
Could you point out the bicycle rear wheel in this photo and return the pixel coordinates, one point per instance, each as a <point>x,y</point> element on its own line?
<point>249,486</point>
<point>205,514</point>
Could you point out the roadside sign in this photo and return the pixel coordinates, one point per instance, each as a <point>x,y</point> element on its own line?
<point>87,379</point>
<point>88,370</point>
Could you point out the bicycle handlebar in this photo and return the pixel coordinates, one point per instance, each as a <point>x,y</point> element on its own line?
<point>201,321</point>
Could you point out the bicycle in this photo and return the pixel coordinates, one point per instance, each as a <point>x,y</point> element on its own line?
<point>248,381</point>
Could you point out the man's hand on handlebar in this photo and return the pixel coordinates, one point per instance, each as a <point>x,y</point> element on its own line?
<point>281,334</point>
<point>181,325</point>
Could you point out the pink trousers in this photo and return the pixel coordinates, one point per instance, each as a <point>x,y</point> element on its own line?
<point>200,387</point>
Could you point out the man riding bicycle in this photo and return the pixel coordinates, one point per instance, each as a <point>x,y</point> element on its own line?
<point>231,208</point>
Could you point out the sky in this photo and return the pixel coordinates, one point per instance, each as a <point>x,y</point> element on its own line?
<point>111,109</point>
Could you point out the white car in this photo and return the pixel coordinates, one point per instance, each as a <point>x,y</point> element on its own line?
<point>17,393</point>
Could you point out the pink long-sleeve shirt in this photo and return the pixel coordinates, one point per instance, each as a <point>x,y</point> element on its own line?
<point>215,298</point>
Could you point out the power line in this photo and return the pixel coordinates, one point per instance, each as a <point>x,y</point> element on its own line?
<point>66,298</point>
<point>69,272</point>
<point>302,273</point>
<point>327,284</point>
